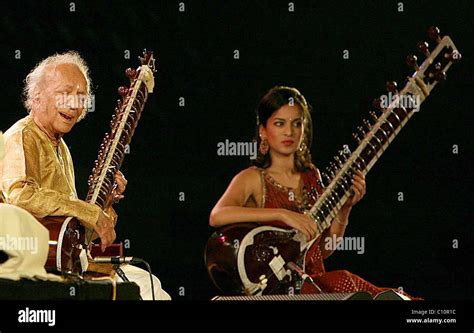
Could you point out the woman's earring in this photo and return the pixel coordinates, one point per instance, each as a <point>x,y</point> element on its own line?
<point>303,148</point>
<point>263,149</point>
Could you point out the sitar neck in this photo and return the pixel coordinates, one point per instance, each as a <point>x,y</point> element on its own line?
<point>124,121</point>
<point>373,139</point>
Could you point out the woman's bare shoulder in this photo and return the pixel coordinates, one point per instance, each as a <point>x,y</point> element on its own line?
<point>250,174</point>
<point>248,178</point>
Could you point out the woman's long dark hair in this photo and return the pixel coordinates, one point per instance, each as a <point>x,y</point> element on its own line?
<point>274,99</point>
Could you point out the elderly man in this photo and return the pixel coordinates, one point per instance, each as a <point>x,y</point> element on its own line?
<point>38,174</point>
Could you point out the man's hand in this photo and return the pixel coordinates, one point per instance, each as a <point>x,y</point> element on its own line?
<point>119,188</point>
<point>105,229</point>
<point>112,214</point>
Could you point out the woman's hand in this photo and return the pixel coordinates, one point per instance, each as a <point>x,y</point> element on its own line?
<point>300,222</point>
<point>358,187</point>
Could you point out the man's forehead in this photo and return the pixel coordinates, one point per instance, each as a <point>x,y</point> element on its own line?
<point>66,74</point>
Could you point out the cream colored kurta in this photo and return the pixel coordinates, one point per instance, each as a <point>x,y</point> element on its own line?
<point>38,175</point>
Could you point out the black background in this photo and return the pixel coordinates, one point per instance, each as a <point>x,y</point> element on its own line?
<point>408,244</point>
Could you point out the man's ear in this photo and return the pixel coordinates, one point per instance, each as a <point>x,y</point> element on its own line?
<point>36,99</point>
<point>36,102</point>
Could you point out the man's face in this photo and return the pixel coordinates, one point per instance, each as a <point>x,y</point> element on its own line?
<point>61,99</point>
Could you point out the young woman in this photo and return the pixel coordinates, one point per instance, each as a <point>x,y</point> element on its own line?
<point>283,183</point>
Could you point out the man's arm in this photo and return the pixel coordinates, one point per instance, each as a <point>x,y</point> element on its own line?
<point>42,202</point>
<point>21,179</point>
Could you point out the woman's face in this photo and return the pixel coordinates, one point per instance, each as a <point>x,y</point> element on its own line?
<point>284,130</point>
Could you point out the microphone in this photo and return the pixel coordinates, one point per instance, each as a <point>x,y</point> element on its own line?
<point>116,260</point>
<point>295,268</point>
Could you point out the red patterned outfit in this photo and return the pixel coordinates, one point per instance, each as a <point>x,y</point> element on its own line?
<point>276,195</point>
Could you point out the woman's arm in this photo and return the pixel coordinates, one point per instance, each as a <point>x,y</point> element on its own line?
<point>231,206</point>
<point>340,222</point>
<point>245,186</point>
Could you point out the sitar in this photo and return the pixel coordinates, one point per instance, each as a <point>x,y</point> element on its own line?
<point>256,259</point>
<point>70,241</point>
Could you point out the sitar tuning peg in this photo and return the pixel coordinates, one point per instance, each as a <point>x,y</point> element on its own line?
<point>391,87</point>
<point>326,178</point>
<point>356,137</point>
<point>361,130</point>
<point>438,74</point>
<point>377,103</point>
<point>454,56</point>
<point>423,48</point>
<point>433,33</point>
<point>373,116</point>
<point>329,172</point>
<point>343,155</point>
<point>90,180</point>
<point>122,91</point>
<point>411,61</point>
<point>367,124</point>
<point>131,73</point>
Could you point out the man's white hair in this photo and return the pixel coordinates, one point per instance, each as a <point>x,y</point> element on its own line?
<point>33,79</point>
